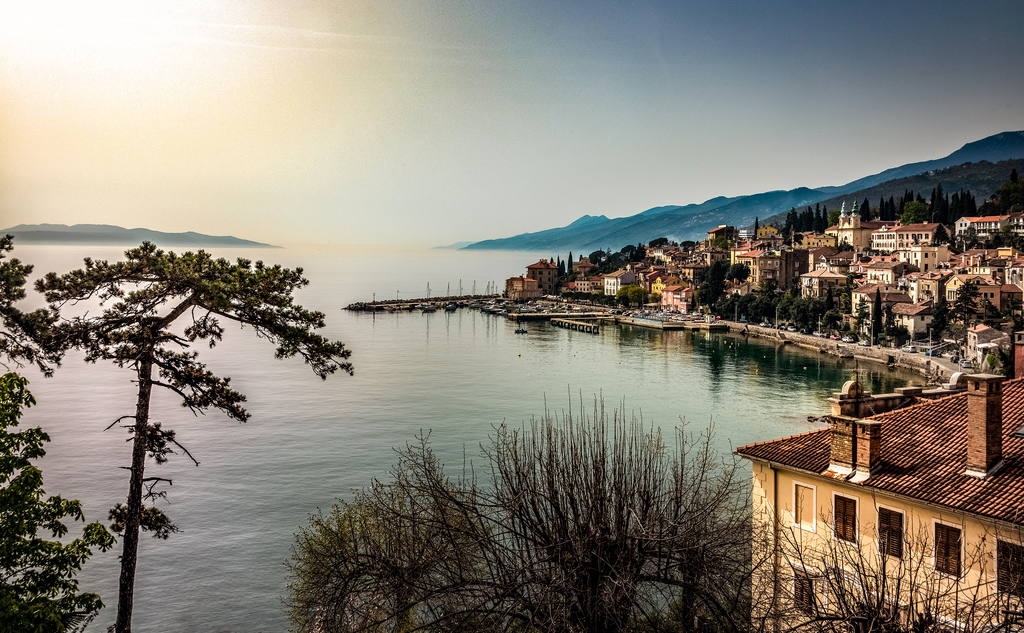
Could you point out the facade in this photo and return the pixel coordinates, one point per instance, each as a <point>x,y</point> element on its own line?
<point>927,497</point>
<point>728,232</point>
<point>925,258</point>
<point>982,341</point>
<point>676,299</point>
<point>613,282</point>
<point>521,289</point>
<point>916,317</point>
<point>852,231</point>
<point>817,240</point>
<point>817,282</point>
<point>545,273</point>
<point>888,273</point>
<point>582,266</point>
<point>899,237</point>
<point>984,227</point>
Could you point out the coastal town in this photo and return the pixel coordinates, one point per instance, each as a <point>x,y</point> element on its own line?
<point>951,293</point>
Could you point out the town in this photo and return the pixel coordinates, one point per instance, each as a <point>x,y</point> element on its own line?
<point>952,292</point>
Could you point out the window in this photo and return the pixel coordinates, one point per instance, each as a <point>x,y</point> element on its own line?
<point>803,593</point>
<point>803,506</point>
<point>846,518</point>
<point>890,532</point>
<point>1010,568</point>
<point>947,549</point>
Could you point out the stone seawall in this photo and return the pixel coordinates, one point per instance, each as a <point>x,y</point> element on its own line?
<point>935,369</point>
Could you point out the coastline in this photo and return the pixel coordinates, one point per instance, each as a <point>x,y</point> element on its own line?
<point>935,369</point>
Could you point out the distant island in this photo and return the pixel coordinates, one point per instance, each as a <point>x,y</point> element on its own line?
<point>119,236</point>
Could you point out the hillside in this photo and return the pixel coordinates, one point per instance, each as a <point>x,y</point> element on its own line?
<point>119,236</point>
<point>981,179</point>
<point>691,222</point>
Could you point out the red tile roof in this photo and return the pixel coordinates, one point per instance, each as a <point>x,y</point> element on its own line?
<point>923,456</point>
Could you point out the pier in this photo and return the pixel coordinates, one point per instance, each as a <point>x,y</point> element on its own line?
<point>582,326</point>
<point>395,305</point>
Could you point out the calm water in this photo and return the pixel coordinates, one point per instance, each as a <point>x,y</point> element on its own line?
<point>310,442</point>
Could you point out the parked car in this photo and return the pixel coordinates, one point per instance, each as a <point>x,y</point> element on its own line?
<point>804,330</point>
<point>791,328</point>
<point>865,343</point>
<point>818,334</point>
<point>847,339</point>
<point>910,349</point>
<point>965,363</point>
<point>833,337</point>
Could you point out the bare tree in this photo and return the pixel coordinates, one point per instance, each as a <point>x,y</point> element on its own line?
<point>574,524</point>
<point>887,581</point>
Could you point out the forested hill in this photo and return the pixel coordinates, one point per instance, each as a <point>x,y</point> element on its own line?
<point>691,222</point>
<point>119,236</point>
<point>981,179</point>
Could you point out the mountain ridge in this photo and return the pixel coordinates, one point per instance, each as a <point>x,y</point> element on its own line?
<point>119,236</point>
<point>693,220</point>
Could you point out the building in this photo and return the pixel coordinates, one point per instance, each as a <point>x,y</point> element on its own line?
<point>583,266</point>
<point>676,299</point>
<point>925,258</point>
<point>916,317</point>
<point>888,273</point>
<point>521,289</point>
<point>983,340</point>
<point>728,232</point>
<point>851,230</point>
<point>545,273</point>
<point>899,237</point>
<point>817,283</point>
<point>817,240</point>
<point>919,506</point>
<point>984,227</point>
<point>613,282</point>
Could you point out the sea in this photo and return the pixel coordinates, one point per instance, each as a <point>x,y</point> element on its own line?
<point>452,376</point>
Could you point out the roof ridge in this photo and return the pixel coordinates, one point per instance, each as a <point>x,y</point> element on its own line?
<point>779,439</point>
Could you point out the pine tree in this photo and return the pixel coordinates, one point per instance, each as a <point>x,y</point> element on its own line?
<point>865,211</point>
<point>757,225</point>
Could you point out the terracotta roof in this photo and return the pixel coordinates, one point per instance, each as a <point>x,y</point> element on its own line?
<point>923,455</point>
<point>913,309</point>
<point>824,272</point>
<point>542,264</point>
<point>987,218</point>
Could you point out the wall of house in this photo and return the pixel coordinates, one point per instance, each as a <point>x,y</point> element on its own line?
<point>775,487</point>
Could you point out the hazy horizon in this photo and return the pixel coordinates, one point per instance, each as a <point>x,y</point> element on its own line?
<point>431,123</point>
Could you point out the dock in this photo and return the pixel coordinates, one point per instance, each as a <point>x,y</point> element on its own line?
<point>583,326</point>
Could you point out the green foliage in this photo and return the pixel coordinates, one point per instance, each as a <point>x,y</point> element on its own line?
<point>966,303</point>
<point>915,212</point>
<point>833,218</point>
<point>38,589</point>
<point>876,315</point>
<point>713,286</point>
<point>940,316</point>
<point>739,272</point>
<point>721,242</point>
<point>22,334</point>
<point>655,243</point>
<point>156,306</point>
<point>631,295</point>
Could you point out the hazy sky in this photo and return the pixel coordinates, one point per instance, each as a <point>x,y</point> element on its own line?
<point>425,122</point>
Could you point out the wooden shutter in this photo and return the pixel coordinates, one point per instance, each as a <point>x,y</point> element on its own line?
<point>846,518</point>
<point>803,593</point>
<point>890,532</point>
<point>947,549</point>
<point>1010,568</point>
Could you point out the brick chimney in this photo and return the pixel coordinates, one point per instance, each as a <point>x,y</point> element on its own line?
<point>843,453</point>
<point>868,451</point>
<point>984,423</point>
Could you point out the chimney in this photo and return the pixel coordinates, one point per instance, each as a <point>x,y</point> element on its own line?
<point>868,451</point>
<point>984,423</point>
<point>843,454</point>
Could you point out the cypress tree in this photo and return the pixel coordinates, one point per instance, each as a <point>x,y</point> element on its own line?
<point>865,211</point>
<point>876,315</point>
<point>757,225</point>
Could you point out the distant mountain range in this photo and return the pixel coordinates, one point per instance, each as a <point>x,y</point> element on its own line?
<point>980,166</point>
<point>118,236</point>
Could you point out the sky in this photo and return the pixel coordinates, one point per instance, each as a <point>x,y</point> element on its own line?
<point>425,123</point>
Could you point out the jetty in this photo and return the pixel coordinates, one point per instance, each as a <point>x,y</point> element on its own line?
<point>591,327</point>
<point>396,305</point>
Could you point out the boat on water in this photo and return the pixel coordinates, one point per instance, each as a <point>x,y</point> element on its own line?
<point>428,308</point>
<point>451,307</point>
<point>522,330</point>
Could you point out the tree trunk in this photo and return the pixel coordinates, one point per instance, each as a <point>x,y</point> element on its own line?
<point>129,556</point>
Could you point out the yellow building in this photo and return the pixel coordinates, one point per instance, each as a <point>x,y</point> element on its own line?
<point>909,518</point>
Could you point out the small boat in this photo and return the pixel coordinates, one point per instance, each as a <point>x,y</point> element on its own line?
<point>427,308</point>
<point>521,330</point>
<point>451,307</point>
